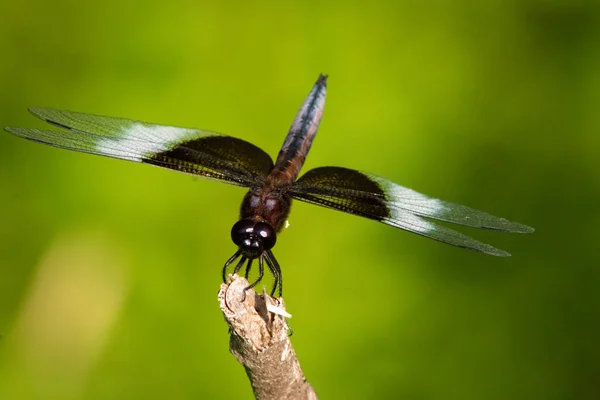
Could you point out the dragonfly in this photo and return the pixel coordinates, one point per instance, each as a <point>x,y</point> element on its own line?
<point>271,185</point>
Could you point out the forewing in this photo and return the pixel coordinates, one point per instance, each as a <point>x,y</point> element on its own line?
<point>193,151</point>
<point>379,199</point>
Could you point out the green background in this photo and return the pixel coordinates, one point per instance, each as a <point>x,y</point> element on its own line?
<point>109,270</point>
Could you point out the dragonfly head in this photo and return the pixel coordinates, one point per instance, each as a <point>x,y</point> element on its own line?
<point>253,238</point>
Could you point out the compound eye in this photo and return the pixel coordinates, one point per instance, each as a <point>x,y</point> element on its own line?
<point>241,230</point>
<point>266,233</point>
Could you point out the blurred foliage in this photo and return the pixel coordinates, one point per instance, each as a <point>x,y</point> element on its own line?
<point>110,269</point>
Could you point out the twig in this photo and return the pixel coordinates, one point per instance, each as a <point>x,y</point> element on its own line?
<point>259,340</point>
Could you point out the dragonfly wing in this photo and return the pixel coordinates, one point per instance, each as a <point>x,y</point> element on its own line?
<point>193,151</point>
<point>376,198</point>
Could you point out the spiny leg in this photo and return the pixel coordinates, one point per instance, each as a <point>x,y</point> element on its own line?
<point>248,266</point>
<point>276,276</point>
<point>261,272</point>
<point>232,259</point>
<point>276,270</point>
<point>239,265</point>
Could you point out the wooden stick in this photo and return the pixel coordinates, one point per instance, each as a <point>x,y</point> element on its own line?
<point>259,340</point>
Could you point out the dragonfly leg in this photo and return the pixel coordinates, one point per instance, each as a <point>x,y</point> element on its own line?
<point>231,260</point>
<point>261,272</point>
<point>248,266</point>
<point>239,265</point>
<point>276,270</point>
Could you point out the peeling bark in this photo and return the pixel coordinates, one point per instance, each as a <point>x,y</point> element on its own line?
<point>260,342</point>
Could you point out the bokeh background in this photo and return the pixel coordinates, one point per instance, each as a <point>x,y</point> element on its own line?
<point>109,270</point>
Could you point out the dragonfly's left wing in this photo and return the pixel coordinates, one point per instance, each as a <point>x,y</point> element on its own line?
<point>379,199</point>
<point>193,151</point>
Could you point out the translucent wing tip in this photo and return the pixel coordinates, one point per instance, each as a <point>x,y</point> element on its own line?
<point>525,229</point>
<point>495,252</point>
<point>38,111</point>
<point>17,131</point>
<point>472,244</point>
<point>45,114</point>
<point>512,227</point>
<point>68,120</point>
